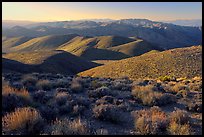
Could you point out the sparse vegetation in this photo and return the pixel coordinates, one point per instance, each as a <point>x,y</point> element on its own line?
<point>61,108</point>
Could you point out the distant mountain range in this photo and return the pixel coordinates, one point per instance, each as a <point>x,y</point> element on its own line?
<point>193,22</point>
<point>163,35</point>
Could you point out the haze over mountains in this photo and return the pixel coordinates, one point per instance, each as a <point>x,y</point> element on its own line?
<point>163,35</point>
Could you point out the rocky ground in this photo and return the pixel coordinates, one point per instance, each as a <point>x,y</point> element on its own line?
<point>62,105</point>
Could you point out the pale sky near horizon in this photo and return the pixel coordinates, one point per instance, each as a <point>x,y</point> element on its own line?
<point>59,11</point>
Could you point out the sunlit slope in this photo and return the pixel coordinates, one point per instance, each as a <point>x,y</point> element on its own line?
<point>180,62</point>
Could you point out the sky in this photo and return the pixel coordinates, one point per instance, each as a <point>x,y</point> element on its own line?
<point>61,11</point>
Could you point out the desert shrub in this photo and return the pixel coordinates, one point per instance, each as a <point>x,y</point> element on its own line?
<point>101,131</point>
<point>26,120</point>
<point>120,86</point>
<point>151,122</point>
<point>83,101</point>
<point>95,84</point>
<point>178,129</point>
<point>12,101</point>
<point>99,92</point>
<point>62,98</point>
<point>183,93</point>
<point>105,100</point>
<point>76,85</point>
<point>66,108</point>
<point>20,92</point>
<point>179,116</point>
<point>195,86</point>
<point>108,112</point>
<point>49,112</point>
<point>67,127</point>
<point>62,90</point>
<point>167,78</point>
<point>41,96</point>
<point>29,80</point>
<point>151,98</point>
<point>194,107</point>
<point>44,85</point>
<point>180,86</point>
<point>77,109</point>
<point>61,83</point>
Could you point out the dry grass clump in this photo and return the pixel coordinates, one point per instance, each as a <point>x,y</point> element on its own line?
<point>178,129</point>
<point>150,97</point>
<point>6,89</point>
<point>151,122</point>
<point>179,123</point>
<point>26,119</point>
<point>108,112</point>
<point>167,78</point>
<point>67,127</point>
<point>180,116</point>
<point>180,86</point>
<point>44,85</point>
<point>76,85</point>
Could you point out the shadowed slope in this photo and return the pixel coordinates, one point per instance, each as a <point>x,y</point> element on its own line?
<point>50,62</point>
<point>181,62</point>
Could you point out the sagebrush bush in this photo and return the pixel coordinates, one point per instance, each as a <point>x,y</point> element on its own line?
<point>95,84</point>
<point>151,122</point>
<point>76,85</point>
<point>180,86</point>
<point>29,80</point>
<point>67,127</point>
<point>108,112</point>
<point>99,92</point>
<point>20,92</point>
<point>62,98</point>
<point>49,112</point>
<point>194,107</point>
<point>167,78</point>
<point>41,96</point>
<point>12,101</point>
<point>179,116</point>
<point>178,129</point>
<point>44,85</point>
<point>27,120</point>
<point>152,98</point>
<point>61,83</point>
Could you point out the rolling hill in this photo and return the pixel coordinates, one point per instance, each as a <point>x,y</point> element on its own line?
<point>45,61</point>
<point>164,35</point>
<point>8,43</point>
<point>43,43</point>
<point>91,48</point>
<point>135,48</point>
<point>180,62</point>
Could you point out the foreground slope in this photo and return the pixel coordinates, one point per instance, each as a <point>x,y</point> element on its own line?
<point>180,62</point>
<point>45,61</point>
